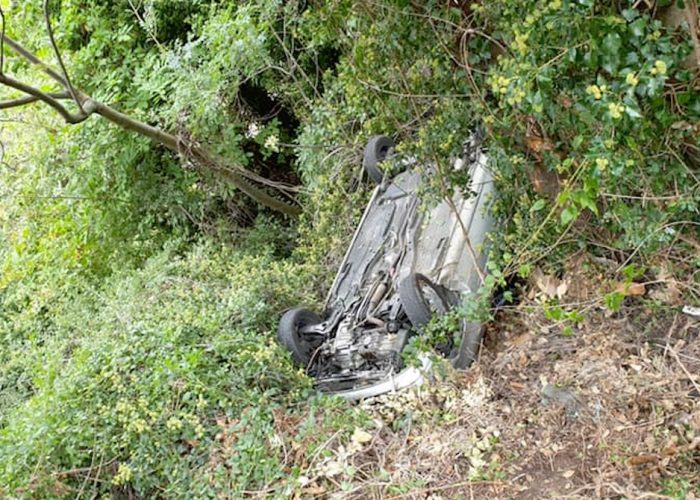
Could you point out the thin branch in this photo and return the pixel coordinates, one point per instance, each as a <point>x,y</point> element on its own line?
<point>237,177</point>
<point>49,30</point>
<point>15,103</point>
<point>41,96</point>
<point>2,42</point>
<point>144,25</point>
<point>35,60</point>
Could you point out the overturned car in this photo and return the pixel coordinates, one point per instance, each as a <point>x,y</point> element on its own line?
<point>406,262</point>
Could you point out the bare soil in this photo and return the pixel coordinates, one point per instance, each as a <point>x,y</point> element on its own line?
<point>610,411</point>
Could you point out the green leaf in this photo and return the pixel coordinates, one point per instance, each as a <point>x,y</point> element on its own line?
<point>612,43</point>
<point>568,214</point>
<point>630,14</point>
<point>613,301</point>
<point>538,205</point>
<point>632,112</point>
<point>638,28</point>
<point>589,204</point>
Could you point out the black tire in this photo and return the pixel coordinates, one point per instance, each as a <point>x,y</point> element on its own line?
<point>415,303</point>
<point>472,333</point>
<point>376,151</point>
<point>289,336</point>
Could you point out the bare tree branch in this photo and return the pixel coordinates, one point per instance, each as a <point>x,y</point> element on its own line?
<point>42,96</point>
<point>2,42</point>
<point>237,175</point>
<point>35,60</point>
<point>15,103</point>
<point>49,30</point>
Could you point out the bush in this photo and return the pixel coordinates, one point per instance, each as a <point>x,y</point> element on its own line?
<point>146,375</point>
<point>138,297</point>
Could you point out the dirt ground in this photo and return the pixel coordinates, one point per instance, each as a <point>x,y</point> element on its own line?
<point>610,409</point>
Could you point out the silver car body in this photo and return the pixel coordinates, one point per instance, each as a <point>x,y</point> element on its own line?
<point>365,327</point>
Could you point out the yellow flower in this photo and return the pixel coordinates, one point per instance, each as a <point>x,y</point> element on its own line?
<point>632,79</point>
<point>521,42</point>
<point>174,424</point>
<point>124,474</point>
<point>199,431</point>
<point>660,67</point>
<point>139,425</point>
<point>616,110</point>
<point>517,98</point>
<point>609,143</point>
<point>602,163</point>
<point>500,84</point>
<point>595,91</point>
<point>555,4</point>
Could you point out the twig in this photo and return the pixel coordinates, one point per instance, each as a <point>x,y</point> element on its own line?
<point>463,227</point>
<point>321,448</point>
<point>49,31</point>
<point>17,47</point>
<point>144,24</point>
<point>87,477</point>
<point>533,238</point>
<point>15,103</point>
<point>685,370</point>
<point>2,42</point>
<point>673,197</point>
<point>647,237</point>
<point>41,96</point>
<point>80,470</point>
<point>430,489</point>
<point>407,95</point>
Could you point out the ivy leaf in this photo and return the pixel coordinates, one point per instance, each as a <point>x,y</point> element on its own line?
<point>630,14</point>
<point>631,58</point>
<point>638,27</point>
<point>611,52</point>
<point>589,204</point>
<point>612,43</point>
<point>632,112</point>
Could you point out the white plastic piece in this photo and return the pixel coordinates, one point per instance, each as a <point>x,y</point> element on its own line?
<point>692,311</point>
<point>409,377</point>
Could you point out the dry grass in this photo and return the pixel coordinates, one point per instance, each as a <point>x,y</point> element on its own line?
<point>624,420</point>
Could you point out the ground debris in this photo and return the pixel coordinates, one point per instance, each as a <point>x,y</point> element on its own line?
<point>565,397</point>
<point>608,412</point>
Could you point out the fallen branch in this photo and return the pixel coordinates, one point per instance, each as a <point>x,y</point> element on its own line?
<point>38,95</point>
<point>189,150</point>
<point>49,31</point>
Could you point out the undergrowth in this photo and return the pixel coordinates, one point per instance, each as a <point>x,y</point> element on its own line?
<point>138,296</point>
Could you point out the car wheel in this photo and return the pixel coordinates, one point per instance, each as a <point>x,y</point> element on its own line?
<point>421,298</point>
<point>290,336</point>
<point>472,332</point>
<point>376,151</point>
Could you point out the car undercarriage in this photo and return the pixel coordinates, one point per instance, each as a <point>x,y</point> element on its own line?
<point>406,262</point>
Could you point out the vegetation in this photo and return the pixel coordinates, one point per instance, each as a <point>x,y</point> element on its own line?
<point>139,289</point>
